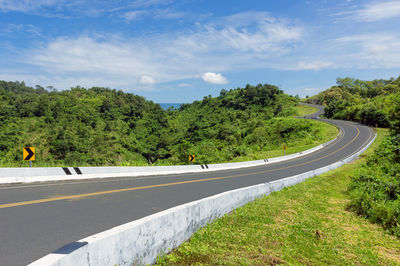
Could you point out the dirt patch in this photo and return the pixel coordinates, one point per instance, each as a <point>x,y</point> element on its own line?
<point>392,254</point>
<point>338,201</point>
<point>268,259</point>
<point>287,215</point>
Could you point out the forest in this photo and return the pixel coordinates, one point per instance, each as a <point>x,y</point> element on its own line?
<point>102,126</point>
<point>375,188</point>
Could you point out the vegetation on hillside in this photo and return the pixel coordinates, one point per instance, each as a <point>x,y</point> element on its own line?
<point>375,188</point>
<point>366,102</point>
<point>100,126</point>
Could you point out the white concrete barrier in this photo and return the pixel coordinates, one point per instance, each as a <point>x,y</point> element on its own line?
<point>44,174</point>
<point>141,241</point>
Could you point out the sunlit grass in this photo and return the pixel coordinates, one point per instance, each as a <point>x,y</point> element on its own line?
<point>307,224</point>
<point>303,110</point>
<point>327,133</point>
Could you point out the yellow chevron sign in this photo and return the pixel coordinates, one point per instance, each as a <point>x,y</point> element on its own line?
<point>192,158</point>
<point>28,154</point>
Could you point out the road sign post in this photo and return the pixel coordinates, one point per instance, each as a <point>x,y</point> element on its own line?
<point>28,154</point>
<point>284,149</point>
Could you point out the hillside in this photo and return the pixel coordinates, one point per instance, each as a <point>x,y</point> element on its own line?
<point>375,188</point>
<point>367,102</point>
<point>100,126</point>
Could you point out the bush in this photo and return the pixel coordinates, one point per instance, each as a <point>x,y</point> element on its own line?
<point>375,188</point>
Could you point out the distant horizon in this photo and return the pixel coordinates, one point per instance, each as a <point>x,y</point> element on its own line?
<point>166,106</point>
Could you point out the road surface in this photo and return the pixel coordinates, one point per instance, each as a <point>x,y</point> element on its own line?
<point>37,219</point>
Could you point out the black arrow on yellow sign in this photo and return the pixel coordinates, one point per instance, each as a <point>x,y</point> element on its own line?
<point>29,154</point>
<point>191,158</point>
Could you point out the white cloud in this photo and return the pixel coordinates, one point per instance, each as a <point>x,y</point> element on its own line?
<point>149,3</point>
<point>147,80</point>
<point>133,15</point>
<point>378,11</point>
<point>316,65</point>
<point>27,5</point>
<point>57,8</point>
<point>377,50</point>
<point>20,28</point>
<point>121,62</point>
<point>184,85</point>
<point>153,13</point>
<point>167,13</point>
<point>214,78</point>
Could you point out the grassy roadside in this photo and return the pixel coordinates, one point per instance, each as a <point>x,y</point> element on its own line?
<point>305,224</point>
<point>327,130</point>
<point>303,110</point>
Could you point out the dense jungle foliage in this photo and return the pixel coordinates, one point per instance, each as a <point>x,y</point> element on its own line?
<point>375,188</point>
<point>100,126</point>
<point>366,102</point>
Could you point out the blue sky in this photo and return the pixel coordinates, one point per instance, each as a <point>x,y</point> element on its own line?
<point>180,51</point>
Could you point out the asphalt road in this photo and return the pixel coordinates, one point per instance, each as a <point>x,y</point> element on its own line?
<point>41,221</point>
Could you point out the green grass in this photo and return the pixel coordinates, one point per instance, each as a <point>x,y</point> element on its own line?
<point>305,224</point>
<point>303,110</point>
<point>328,132</point>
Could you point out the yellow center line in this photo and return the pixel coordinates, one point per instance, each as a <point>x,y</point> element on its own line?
<point>8,205</point>
<point>68,197</point>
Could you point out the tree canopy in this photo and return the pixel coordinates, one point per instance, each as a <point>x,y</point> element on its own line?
<point>368,102</point>
<point>101,126</point>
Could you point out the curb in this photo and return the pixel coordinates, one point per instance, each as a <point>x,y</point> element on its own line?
<point>141,241</point>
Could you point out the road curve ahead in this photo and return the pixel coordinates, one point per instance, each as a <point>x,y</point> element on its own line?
<point>40,218</point>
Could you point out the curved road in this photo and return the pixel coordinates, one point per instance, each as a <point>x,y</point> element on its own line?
<point>35,221</point>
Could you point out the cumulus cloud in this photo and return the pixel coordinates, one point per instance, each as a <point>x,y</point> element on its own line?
<point>214,78</point>
<point>147,80</point>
